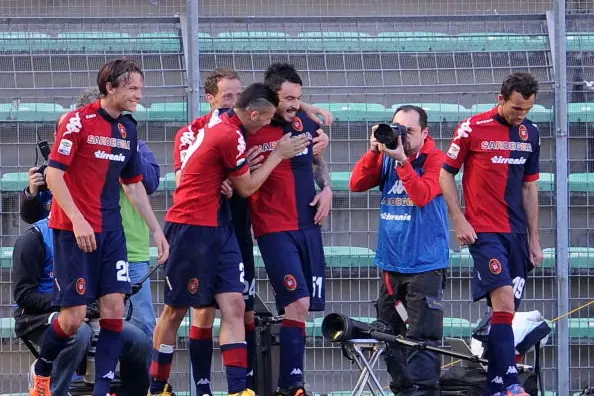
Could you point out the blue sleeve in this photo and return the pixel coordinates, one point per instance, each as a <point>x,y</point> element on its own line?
<point>151,171</point>
<point>531,169</point>
<point>132,173</point>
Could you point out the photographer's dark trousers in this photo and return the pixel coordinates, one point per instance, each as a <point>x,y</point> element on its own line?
<point>413,372</point>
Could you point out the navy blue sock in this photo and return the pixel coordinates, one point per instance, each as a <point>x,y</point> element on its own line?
<point>201,357</point>
<point>292,351</point>
<point>502,370</point>
<point>54,340</point>
<point>250,339</point>
<point>109,348</point>
<point>160,368</point>
<point>235,361</point>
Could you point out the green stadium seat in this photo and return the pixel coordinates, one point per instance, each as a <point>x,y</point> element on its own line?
<point>141,113</point>
<point>500,42</point>
<point>581,257</point>
<point>161,42</point>
<point>580,112</point>
<point>7,328</point>
<point>456,328</point>
<point>438,112</point>
<point>13,182</point>
<point>481,108</point>
<point>540,114</point>
<point>331,41</point>
<point>549,258</point>
<point>461,259</point>
<point>357,112</point>
<point>25,41</point>
<point>6,257</point>
<point>581,182</point>
<point>580,42</point>
<point>97,41</point>
<point>252,41</point>
<point>167,182</point>
<point>340,180</point>
<point>337,257</point>
<point>171,111</point>
<point>581,328</point>
<point>37,112</point>
<point>415,42</point>
<point>546,182</point>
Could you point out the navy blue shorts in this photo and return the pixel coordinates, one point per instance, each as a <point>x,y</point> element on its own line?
<point>500,260</point>
<point>296,266</point>
<point>203,262</point>
<point>81,278</point>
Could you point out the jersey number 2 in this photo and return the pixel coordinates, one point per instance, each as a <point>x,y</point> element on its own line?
<point>123,274</point>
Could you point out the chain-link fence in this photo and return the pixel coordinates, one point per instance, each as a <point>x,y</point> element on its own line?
<point>358,58</point>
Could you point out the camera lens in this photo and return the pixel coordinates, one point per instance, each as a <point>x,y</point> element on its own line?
<point>385,134</point>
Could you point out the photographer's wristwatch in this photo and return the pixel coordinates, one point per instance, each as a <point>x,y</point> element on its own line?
<point>400,164</point>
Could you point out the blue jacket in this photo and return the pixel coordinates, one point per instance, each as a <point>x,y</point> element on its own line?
<point>413,234</point>
<point>38,207</point>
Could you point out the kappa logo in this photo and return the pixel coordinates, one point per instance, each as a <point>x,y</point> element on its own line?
<point>296,371</point>
<point>74,125</point>
<point>203,381</point>
<point>497,380</point>
<point>463,130</point>
<point>110,375</point>
<point>240,144</point>
<point>511,370</point>
<point>81,286</point>
<point>187,138</point>
<point>397,188</point>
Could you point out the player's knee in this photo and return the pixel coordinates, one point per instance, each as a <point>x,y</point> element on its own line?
<point>111,306</point>
<point>203,317</point>
<point>502,299</point>
<point>298,310</point>
<point>232,306</point>
<point>71,319</point>
<point>172,315</point>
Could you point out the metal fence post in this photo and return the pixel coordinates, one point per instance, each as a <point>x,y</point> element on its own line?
<point>562,213</point>
<point>193,61</point>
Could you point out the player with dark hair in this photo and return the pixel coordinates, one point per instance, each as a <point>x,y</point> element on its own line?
<point>499,150</point>
<point>222,87</point>
<point>286,215</point>
<point>205,264</point>
<point>95,147</point>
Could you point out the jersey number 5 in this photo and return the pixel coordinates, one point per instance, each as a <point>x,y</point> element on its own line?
<point>249,288</point>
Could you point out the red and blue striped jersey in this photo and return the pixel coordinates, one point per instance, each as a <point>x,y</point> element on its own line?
<point>497,158</point>
<point>283,202</point>
<point>217,153</point>
<point>95,151</point>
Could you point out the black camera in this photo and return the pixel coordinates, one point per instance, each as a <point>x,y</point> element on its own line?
<point>45,152</point>
<point>388,134</point>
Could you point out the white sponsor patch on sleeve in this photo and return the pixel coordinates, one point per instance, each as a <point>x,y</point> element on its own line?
<point>453,151</point>
<point>65,147</point>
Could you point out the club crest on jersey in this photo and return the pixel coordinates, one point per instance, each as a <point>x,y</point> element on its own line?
<point>297,124</point>
<point>122,129</point>
<point>81,286</point>
<point>523,132</point>
<point>193,286</point>
<point>495,266</point>
<point>290,282</point>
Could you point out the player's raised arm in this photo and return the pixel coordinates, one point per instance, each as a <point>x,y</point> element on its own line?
<point>255,108</point>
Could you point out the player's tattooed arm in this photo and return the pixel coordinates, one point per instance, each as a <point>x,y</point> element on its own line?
<point>321,172</point>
